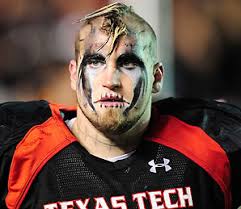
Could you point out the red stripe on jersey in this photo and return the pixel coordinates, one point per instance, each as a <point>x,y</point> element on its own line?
<point>194,143</point>
<point>40,144</point>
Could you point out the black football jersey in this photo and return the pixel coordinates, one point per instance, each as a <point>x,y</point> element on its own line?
<point>155,176</point>
<point>189,158</point>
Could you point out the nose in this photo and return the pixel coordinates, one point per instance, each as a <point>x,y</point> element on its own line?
<point>111,78</point>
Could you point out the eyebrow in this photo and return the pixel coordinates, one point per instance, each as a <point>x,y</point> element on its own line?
<point>129,58</point>
<point>88,57</point>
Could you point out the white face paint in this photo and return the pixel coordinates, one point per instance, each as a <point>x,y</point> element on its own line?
<point>113,90</point>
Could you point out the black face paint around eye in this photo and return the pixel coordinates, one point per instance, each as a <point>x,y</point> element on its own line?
<point>145,82</point>
<point>91,58</point>
<point>137,92</point>
<point>141,88</point>
<point>86,87</point>
<point>88,59</point>
<point>130,58</point>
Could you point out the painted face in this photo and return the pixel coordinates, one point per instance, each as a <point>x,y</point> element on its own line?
<point>114,90</point>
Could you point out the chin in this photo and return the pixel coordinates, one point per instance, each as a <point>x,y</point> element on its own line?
<point>113,122</point>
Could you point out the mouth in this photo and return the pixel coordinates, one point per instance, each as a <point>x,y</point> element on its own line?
<point>112,100</point>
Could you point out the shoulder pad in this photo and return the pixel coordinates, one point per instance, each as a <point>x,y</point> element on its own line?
<point>221,121</point>
<point>186,104</point>
<point>16,118</point>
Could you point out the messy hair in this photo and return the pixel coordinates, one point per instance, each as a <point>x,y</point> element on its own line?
<point>113,25</point>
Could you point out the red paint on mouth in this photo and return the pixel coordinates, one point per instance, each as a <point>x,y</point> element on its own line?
<point>110,100</point>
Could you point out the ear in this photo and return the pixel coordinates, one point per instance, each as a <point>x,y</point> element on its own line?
<point>73,74</point>
<point>158,75</point>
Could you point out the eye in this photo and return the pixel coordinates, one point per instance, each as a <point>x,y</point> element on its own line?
<point>93,63</point>
<point>129,65</point>
<point>129,61</point>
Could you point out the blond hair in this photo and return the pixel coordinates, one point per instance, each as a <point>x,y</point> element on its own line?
<point>113,24</point>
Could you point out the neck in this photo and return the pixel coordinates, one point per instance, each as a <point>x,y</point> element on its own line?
<point>102,146</point>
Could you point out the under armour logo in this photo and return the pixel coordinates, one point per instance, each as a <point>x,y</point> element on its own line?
<point>160,165</point>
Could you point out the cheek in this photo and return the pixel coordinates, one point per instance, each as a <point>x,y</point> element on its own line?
<point>131,81</point>
<point>87,79</point>
<point>128,86</point>
<point>86,87</point>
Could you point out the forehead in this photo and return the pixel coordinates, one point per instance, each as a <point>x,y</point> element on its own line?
<point>92,37</point>
<point>96,40</point>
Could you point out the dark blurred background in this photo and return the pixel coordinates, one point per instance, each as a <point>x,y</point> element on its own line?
<point>207,42</point>
<point>37,41</point>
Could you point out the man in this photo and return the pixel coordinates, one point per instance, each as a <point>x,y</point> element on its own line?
<point>115,150</point>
